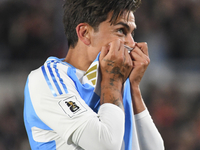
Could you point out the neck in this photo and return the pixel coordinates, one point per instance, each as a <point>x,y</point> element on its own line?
<point>79,58</point>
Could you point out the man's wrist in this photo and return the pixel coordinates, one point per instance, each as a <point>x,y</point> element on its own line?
<point>111,83</point>
<point>135,85</point>
<point>137,101</point>
<point>111,93</point>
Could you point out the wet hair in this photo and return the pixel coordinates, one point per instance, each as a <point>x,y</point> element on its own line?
<point>92,12</point>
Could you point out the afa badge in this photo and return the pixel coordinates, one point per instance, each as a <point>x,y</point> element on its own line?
<point>71,106</point>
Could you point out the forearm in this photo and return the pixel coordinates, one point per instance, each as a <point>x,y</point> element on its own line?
<point>111,93</point>
<point>137,101</point>
<point>104,132</point>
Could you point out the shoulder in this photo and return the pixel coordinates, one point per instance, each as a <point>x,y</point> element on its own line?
<point>54,76</point>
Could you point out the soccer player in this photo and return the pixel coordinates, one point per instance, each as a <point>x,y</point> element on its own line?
<point>91,98</point>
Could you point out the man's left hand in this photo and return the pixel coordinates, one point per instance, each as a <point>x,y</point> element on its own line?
<point>141,61</point>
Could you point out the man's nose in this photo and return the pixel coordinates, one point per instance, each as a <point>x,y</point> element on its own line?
<point>129,41</point>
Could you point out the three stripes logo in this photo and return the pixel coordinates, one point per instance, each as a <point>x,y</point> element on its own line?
<point>91,74</point>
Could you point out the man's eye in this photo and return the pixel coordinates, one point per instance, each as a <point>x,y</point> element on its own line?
<point>121,31</point>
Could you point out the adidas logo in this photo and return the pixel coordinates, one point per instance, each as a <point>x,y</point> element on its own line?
<point>91,74</point>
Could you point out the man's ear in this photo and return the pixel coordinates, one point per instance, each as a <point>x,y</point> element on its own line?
<point>83,34</point>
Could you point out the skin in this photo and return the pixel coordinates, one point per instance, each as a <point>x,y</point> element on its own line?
<point>116,63</point>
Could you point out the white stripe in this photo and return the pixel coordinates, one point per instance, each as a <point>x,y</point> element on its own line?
<point>56,77</point>
<point>41,135</point>
<point>50,78</point>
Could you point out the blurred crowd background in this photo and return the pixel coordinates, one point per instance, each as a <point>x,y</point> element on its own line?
<point>32,30</point>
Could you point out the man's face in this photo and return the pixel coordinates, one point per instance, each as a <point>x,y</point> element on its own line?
<point>122,29</point>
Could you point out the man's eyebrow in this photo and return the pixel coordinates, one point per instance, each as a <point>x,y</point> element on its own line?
<point>125,25</point>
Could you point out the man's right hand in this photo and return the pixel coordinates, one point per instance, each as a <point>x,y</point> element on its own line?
<point>115,62</point>
<point>115,65</point>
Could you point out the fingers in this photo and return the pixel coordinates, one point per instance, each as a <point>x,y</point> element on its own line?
<point>127,58</point>
<point>115,46</point>
<point>113,49</point>
<point>115,61</point>
<point>140,53</point>
<point>104,52</point>
<point>116,50</point>
<point>119,52</point>
<point>143,47</point>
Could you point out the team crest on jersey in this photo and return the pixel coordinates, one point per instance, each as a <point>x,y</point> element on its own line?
<point>71,106</point>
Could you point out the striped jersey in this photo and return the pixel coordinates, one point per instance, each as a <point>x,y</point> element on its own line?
<point>60,99</point>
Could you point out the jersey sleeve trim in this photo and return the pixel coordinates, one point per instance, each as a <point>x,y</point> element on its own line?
<point>53,78</point>
<point>142,114</point>
<point>48,81</point>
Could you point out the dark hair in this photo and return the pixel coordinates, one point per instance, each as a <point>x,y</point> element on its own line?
<point>92,12</point>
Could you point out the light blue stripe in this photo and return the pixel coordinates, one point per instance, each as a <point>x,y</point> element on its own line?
<point>60,79</point>
<point>54,79</point>
<point>127,102</point>
<point>31,119</point>
<point>48,82</point>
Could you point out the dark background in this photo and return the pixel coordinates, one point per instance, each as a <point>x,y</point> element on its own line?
<point>31,31</point>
